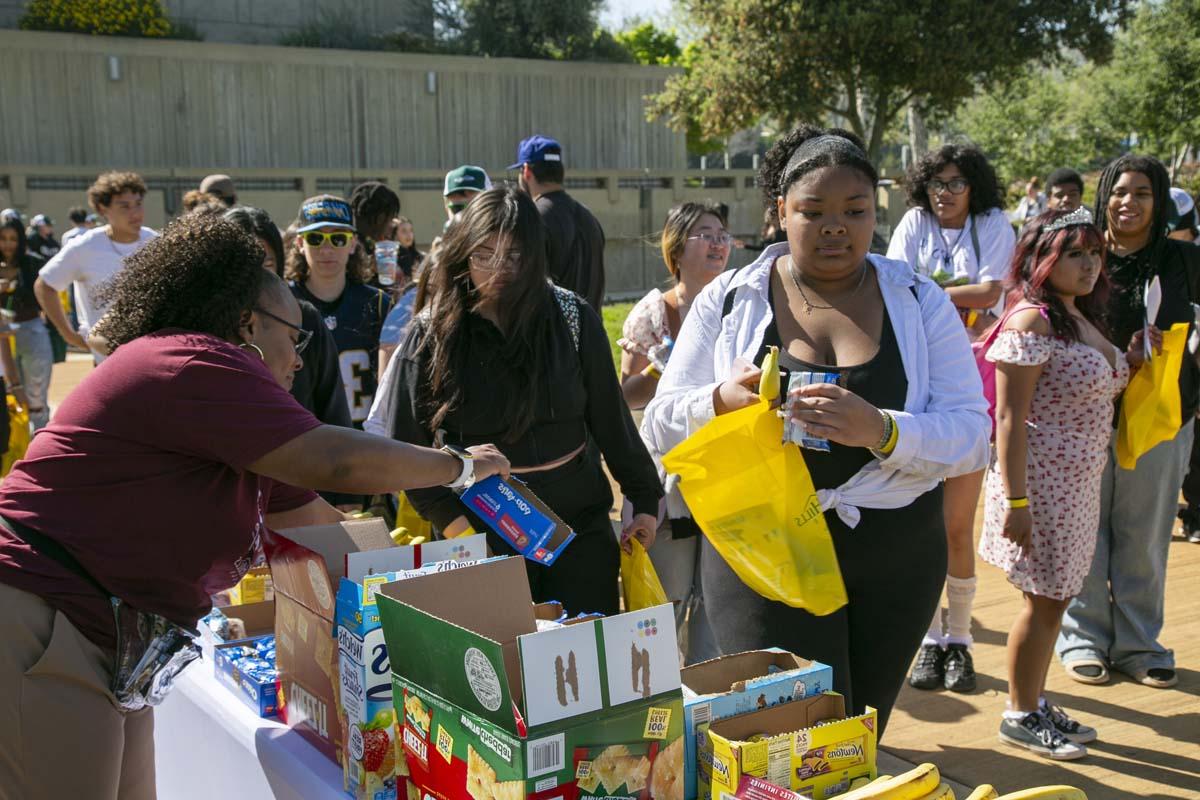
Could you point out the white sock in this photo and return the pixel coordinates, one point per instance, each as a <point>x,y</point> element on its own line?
<point>960,595</point>
<point>1015,716</point>
<point>934,636</point>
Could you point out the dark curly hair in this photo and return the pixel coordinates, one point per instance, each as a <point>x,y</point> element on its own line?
<point>774,183</point>
<point>203,273</point>
<point>971,162</point>
<point>111,184</point>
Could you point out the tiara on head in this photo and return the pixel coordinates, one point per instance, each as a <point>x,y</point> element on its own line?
<point>1080,216</point>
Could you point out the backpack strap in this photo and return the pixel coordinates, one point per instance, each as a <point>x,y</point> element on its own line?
<point>568,304</point>
<point>974,240</point>
<point>730,296</point>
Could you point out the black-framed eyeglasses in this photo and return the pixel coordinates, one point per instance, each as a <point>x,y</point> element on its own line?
<point>954,186</point>
<point>305,336</point>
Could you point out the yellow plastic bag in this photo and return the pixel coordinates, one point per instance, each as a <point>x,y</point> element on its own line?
<point>754,499</point>
<point>18,436</point>
<point>639,580</point>
<point>407,517</point>
<point>1150,407</point>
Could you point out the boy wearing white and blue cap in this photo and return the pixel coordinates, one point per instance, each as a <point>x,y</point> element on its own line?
<point>574,240</point>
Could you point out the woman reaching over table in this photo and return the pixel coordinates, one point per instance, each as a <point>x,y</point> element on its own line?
<point>150,490</point>
<point>906,412</point>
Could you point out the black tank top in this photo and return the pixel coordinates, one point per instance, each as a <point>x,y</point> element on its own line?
<point>880,381</point>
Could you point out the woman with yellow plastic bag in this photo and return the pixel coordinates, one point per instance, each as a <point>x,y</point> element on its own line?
<point>902,409</point>
<point>1115,621</point>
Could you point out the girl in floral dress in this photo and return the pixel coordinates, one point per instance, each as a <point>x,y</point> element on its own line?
<point>1057,375</point>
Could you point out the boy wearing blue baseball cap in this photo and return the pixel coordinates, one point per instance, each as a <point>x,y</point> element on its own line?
<point>575,240</point>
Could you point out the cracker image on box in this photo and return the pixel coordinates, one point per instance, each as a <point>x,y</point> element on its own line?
<point>667,781</point>
<point>482,783</point>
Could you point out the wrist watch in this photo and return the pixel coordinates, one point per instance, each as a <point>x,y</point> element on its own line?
<point>465,479</point>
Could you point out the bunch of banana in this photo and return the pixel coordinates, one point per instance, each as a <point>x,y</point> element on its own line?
<point>1046,793</point>
<point>401,537</point>
<point>922,783</point>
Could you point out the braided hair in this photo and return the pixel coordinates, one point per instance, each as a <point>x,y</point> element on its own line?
<point>1160,185</point>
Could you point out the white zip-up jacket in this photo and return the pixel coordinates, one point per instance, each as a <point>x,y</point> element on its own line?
<point>943,428</point>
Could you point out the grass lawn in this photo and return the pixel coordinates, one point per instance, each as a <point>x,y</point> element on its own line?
<point>614,318</point>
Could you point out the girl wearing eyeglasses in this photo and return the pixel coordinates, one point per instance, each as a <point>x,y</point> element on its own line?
<point>956,233</point>
<point>695,247</point>
<point>498,353</point>
<point>328,270</point>
<point>155,483</point>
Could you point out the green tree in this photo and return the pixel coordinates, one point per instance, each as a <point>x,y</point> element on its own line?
<point>862,61</point>
<point>104,17</point>
<point>563,29</point>
<point>648,44</point>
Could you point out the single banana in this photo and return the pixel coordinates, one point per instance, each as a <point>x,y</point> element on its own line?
<point>768,384</point>
<point>880,779</point>
<point>912,785</point>
<point>859,783</point>
<point>984,791</point>
<point>1047,793</point>
<point>942,792</point>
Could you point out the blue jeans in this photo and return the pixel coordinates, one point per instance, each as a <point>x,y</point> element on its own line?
<point>1118,614</point>
<point>35,362</point>
<point>677,563</point>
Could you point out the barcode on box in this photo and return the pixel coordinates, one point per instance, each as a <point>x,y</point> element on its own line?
<point>546,755</point>
<point>701,714</point>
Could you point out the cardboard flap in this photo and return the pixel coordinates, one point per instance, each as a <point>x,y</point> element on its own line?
<point>781,719</point>
<point>560,673</point>
<point>259,618</point>
<point>393,559</point>
<point>733,672</point>
<point>641,654</point>
<point>334,542</point>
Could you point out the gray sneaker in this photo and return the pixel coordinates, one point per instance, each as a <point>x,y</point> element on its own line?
<point>1037,734</point>
<point>1074,730</point>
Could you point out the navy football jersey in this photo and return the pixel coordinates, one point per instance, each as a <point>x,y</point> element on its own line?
<point>355,320</point>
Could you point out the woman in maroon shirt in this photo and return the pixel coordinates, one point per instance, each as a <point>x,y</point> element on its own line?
<point>153,485</point>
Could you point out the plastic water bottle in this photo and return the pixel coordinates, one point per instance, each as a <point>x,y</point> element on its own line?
<point>385,262</point>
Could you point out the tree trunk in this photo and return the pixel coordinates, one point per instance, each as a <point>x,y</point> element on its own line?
<point>918,136</point>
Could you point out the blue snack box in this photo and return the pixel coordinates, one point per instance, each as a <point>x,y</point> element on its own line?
<point>261,695</point>
<point>519,517</point>
<point>737,684</point>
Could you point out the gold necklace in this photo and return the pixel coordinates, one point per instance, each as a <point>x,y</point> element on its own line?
<point>809,306</point>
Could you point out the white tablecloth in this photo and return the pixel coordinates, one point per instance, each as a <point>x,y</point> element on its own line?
<point>210,745</point>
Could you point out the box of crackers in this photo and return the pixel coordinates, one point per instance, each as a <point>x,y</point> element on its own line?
<point>736,684</point>
<point>307,565</point>
<point>536,707</point>
<point>373,763</point>
<point>808,746</point>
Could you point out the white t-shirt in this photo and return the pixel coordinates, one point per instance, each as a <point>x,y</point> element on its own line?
<point>928,248</point>
<point>90,260</point>
<point>71,234</point>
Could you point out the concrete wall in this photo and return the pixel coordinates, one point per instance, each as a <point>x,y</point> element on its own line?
<point>90,100</point>
<point>264,21</point>
<point>631,206</point>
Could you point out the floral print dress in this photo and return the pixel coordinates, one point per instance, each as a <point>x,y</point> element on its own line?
<point>1069,431</point>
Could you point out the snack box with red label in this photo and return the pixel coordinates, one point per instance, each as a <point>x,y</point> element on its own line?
<point>808,746</point>
<point>497,710</point>
<point>373,765</point>
<point>307,565</point>
<point>514,512</point>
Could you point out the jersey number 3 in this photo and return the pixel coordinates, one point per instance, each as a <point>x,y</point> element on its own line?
<point>355,365</point>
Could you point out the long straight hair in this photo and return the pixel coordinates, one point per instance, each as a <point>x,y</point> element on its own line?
<point>526,309</point>
<point>14,223</point>
<point>1033,261</point>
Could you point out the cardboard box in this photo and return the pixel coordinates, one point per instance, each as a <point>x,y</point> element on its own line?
<point>254,587</point>
<point>373,764</point>
<point>736,684</point>
<point>495,710</point>
<point>519,517</point>
<point>261,696</point>
<point>258,618</point>
<point>808,746</point>
<point>307,565</point>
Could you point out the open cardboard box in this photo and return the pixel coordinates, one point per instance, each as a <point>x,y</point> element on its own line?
<point>307,565</point>
<point>491,702</point>
<point>736,684</point>
<point>808,746</point>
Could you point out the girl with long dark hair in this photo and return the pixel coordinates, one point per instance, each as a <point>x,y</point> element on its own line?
<point>501,354</point>
<point>1115,620</point>
<point>28,373</point>
<point>906,412</point>
<point>1057,375</point>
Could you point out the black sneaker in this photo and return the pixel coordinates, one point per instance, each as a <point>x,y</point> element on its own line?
<point>928,672</point>
<point>1074,730</point>
<point>959,669</point>
<point>1035,733</point>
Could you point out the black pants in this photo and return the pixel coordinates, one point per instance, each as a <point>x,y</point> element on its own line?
<point>584,578</point>
<point>894,565</point>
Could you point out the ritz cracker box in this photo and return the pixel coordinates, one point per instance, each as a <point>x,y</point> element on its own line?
<point>808,746</point>
<point>495,710</point>
<point>373,766</point>
<point>307,565</point>
<point>736,684</point>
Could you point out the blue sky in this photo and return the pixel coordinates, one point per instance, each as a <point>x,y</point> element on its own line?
<point>619,10</point>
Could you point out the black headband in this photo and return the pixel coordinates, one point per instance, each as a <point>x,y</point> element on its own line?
<point>824,144</point>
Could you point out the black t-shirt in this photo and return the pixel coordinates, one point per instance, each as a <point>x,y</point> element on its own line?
<point>355,320</point>
<point>44,246</point>
<point>21,300</point>
<point>574,246</point>
<point>318,385</point>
